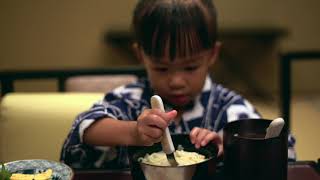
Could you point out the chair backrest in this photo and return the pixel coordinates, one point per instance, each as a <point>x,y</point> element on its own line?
<point>34,125</point>
<point>9,78</point>
<point>286,78</point>
<point>98,83</point>
<point>299,72</point>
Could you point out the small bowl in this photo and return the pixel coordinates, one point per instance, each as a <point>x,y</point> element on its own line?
<point>200,170</point>
<point>60,171</point>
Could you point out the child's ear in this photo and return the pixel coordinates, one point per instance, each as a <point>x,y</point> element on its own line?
<point>215,53</point>
<point>137,52</point>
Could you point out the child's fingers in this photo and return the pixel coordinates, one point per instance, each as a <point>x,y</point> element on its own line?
<point>154,117</point>
<point>153,132</point>
<point>202,134</point>
<point>193,134</point>
<point>151,135</point>
<point>209,137</point>
<point>218,141</point>
<point>167,116</point>
<point>214,138</point>
<point>220,150</point>
<point>147,140</point>
<point>155,120</point>
<point>201,137</point>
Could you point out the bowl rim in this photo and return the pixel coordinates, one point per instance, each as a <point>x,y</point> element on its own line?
<point>182,166</point>
<point>212,156</point>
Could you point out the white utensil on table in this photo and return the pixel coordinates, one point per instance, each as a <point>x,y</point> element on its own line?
<point>274,128</point>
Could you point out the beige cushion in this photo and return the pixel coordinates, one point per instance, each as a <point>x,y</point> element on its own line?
<point>101,83</point>
<point>34,125</point>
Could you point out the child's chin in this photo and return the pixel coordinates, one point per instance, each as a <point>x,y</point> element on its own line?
<point>183,106</point>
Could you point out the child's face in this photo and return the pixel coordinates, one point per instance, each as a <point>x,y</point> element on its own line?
<point>180,80</point>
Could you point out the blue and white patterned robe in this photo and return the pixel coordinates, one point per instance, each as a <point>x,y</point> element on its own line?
<point>212,109</point>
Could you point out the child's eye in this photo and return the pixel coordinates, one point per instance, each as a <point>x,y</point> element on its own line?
<point>191,68</point>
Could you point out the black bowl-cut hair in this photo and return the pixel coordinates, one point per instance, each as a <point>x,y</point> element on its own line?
<point>183,27</point>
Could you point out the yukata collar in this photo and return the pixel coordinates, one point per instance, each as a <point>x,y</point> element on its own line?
<point>198,109</point>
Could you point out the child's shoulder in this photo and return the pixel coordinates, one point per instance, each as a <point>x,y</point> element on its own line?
<point>221,90</point>
<point>132,90</point>
<point>224,94</point>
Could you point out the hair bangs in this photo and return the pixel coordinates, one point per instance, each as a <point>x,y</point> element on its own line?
<point>175,30</point>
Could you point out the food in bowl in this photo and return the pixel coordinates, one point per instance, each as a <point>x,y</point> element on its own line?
<point>182,157</point>
<point>39,176</point>
<point>202,170</point>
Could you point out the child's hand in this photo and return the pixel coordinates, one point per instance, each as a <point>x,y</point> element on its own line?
<point>151,125</point>
<point>201,137</point>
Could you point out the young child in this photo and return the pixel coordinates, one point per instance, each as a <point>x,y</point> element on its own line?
<point>176,40</point>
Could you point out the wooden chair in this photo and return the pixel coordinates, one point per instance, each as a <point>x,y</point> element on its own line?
<point>304,123</point>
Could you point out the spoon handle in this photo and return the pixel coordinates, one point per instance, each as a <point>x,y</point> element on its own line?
<point>166,141</point>
<point>274,128</point>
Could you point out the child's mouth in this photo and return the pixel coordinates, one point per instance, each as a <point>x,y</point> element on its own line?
<point>179,99</point>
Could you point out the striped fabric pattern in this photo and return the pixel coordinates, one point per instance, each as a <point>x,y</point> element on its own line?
<point>212,109</point>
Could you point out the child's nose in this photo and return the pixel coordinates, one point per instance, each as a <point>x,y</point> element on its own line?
<point>177,80</point>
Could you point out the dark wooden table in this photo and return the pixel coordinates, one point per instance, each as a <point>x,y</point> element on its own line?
<point>296,171</point>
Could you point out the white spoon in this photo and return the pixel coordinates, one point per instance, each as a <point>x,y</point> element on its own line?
<point>166,141</point>
<point>274,128</point>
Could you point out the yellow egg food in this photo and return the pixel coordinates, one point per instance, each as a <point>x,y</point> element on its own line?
<point>182,157</point>
<point>39,176</point>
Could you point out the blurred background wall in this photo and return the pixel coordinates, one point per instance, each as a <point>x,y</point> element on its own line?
<point>56,34</point>
<point>66,34</point>
<point>59,34</point>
